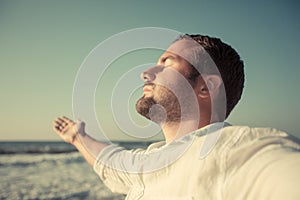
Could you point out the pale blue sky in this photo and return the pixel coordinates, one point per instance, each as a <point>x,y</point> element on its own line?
<point>43,43</point>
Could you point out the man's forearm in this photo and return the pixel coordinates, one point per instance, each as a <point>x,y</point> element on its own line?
<point>88,147</point>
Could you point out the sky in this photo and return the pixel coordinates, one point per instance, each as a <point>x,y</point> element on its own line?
<point>43,44</point>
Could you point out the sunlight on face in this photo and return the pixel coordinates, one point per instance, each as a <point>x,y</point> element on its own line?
<point>167,85</point>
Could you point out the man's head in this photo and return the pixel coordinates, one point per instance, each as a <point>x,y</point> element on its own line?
<point>206,64</point>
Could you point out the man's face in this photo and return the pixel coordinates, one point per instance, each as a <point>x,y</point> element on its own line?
<point>168,85</point>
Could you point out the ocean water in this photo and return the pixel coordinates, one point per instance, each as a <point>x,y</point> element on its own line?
<point>50,170</point>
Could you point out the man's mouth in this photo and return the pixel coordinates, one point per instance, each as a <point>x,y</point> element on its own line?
<point>148,87</point>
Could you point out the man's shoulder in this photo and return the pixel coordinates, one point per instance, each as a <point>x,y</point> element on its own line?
<point>231,139</point>
<point>238,135</point>
<point>243,142</point>
<point>265,157</point>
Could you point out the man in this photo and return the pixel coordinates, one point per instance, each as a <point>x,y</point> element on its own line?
<point>189,93</point>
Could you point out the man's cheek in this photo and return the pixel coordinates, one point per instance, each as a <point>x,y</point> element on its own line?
<point>167,78</point>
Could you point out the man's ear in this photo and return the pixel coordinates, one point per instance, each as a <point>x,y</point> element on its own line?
<point>209,85</point>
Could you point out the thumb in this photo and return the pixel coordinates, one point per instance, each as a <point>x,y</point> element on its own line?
<point>80,125</point>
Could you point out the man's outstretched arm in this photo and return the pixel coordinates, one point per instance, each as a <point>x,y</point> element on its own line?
<point>74,134</point>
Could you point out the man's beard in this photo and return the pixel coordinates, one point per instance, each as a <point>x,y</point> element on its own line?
<point>165,108</point>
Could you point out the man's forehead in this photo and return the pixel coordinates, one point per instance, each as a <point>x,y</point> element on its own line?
<point>183,46</point>
<point>187,49</point>
<point>195,54</point>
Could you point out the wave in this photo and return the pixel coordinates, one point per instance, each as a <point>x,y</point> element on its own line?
<point>24,160</point>
<point>35,147</point>
<point>55,147</point>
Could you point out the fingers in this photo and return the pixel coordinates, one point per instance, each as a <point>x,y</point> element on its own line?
<point>60,124</point>
<point>57,125</point>
<point>63,120</point>
<point>67,119</point>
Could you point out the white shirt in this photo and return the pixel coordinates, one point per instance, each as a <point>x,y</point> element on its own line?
<point>245,163</point>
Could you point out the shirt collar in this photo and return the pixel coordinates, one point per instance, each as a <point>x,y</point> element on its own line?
<point>210,128</point>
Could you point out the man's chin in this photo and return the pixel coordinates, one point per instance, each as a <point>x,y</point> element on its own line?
<point>150,109</point>
<point>143,106</point>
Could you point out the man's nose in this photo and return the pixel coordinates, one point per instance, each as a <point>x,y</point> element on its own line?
<point>150,74</point>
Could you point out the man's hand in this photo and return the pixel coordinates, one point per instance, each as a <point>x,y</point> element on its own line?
<point>68,129</point>
<point>74,133</point>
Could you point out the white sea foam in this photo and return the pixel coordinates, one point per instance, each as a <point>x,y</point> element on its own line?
<point>50,176</point>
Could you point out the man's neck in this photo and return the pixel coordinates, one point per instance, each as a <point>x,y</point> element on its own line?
<point>173,130</point>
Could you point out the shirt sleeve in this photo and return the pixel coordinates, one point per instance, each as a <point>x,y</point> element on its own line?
<point>281,178</point>
<point>112,166</point>
<point>266,168</point>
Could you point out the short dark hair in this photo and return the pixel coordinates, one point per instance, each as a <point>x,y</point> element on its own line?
<point>229,64</point>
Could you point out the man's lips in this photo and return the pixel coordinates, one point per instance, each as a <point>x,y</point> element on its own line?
<point>148,87</point>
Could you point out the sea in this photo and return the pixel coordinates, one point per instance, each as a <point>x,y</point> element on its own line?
<point>51,170</point>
